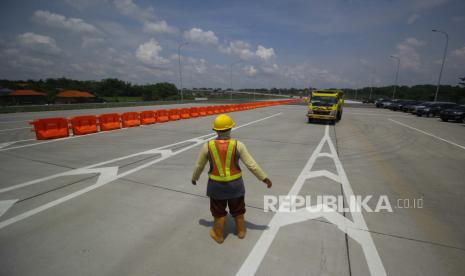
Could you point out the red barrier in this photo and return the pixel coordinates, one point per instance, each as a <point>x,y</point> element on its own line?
<point>185,113</point>
<point>194,112</point>
<point>203,111</point>
<point>210,110</point>
<point>50,128</point>
<point>130,119</point>
<point>147,117</point>
<point>174,114</point>
<point>162,115</point>
<point>82,125</point>
<point>109,121</point>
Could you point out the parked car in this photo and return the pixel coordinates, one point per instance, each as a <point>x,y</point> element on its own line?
<point>456,113</point>
<point>379,102</point>
<point>368,101</point>
<point>415,108</point>
<point>399,105</point>
<point>406,107</point>
<point>387,104</point>
<point>434,109</point>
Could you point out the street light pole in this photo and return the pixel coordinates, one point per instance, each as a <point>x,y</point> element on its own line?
<point>230,76</point>
<point>397,75</point>
<point>180,69</point>
<point>443,61</point>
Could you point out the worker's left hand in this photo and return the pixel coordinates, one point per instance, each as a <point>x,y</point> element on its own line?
<point>268,182</point>
<point>194,182</point>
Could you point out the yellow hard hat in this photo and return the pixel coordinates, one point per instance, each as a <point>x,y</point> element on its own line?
<point>223,122</point>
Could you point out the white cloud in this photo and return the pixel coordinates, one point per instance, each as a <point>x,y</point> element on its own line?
<point>413,17</point>
<point>200,36</point>
<point>39,43</point>
<point>251,71</point>
<point>59,21</point>
<point>149,53</point>
<point>88,42</point>
<point>273,69</point>
<point>460,53</point>
<point>414,42</point>
<point>128,7</point>
<point>159,27</point>
<point>199,65</point>
<point>264,53</point>
<point>239,48</point>
<point>408,54</point>
<point>244,51</point>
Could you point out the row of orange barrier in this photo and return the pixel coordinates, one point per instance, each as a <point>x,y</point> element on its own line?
<point>52,128</point>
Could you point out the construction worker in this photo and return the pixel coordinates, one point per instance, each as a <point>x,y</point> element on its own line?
<point>225,185</point>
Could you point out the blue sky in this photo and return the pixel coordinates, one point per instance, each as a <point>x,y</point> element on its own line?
<point>294,43</point>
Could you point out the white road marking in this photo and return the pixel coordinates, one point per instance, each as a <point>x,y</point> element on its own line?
<point>6,144</point>
<point>356,229</point>
<point>5,205</point>
<point>375,114</point>
<point>109,174</point>
<point>427,133</point>
<point>9,122</point>
<point>12,129</point>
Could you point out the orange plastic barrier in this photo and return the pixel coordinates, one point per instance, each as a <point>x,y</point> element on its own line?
<point>174,114</point>
<point>194,112</point>
<point>147,117</point>
<point>162,115</point>
<point>210,110</point>
<point>50,128</point>
<point>185,113</point>
<point>130,119</point>
<point>82,125</point>
<point>109,121</point>
<point>202,111</point>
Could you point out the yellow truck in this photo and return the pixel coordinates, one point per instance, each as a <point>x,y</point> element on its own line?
<point>325,105</point>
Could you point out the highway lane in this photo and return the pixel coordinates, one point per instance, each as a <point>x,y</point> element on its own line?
<point>154,222</point>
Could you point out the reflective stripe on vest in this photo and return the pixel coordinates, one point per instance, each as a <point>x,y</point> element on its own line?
<point>224,174</point>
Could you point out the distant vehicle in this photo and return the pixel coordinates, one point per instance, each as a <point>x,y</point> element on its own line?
<point>415,108</point>
<point>325,105</point>
<point>399,104</point>
<point>368,101</point>
<point>408,106</point>
<point>387,104</point>
<point>434,109</point>
<point>379,102</point>
<point>456,113</point>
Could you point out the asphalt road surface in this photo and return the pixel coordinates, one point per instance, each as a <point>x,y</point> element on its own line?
<point>121,202</point>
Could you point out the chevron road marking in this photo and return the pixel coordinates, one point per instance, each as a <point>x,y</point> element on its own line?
<point>356,229</point>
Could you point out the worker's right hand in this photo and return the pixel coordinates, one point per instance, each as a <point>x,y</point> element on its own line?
<point>268,182</point>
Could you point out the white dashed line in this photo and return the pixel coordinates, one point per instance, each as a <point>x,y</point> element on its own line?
<point>427,133</point>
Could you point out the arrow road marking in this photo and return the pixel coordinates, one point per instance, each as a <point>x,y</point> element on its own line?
<point>109,174</point>
<point>356,229</point>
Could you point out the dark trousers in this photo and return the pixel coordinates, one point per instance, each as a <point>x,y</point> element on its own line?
<point>218,206</point>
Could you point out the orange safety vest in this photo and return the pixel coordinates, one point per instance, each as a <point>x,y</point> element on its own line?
<point>223,160</point>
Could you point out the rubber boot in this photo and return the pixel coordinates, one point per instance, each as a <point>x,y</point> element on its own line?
<point>240,226</point>
<point>217,232</point>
